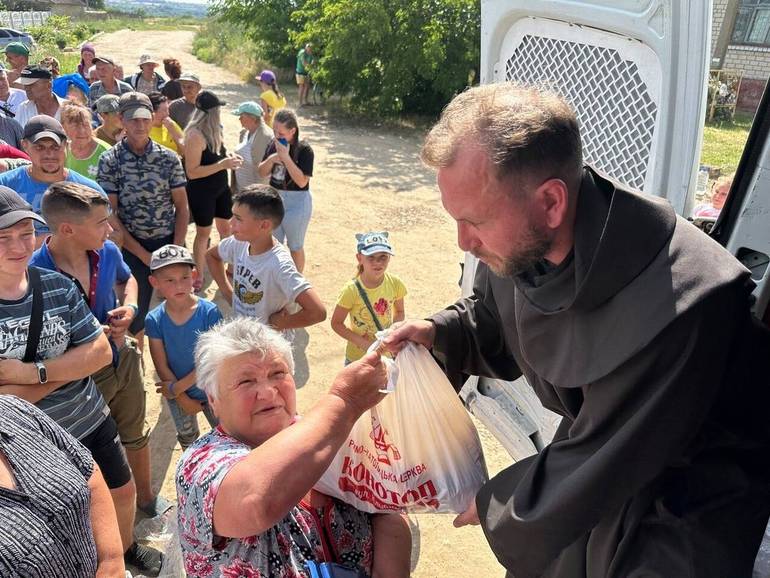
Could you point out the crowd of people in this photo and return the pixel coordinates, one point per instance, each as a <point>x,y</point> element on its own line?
<point>97,190</point>
<point>101,175</point>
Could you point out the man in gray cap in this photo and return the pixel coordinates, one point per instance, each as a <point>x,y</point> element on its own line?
<point>182,109</point>
<point>107,83</point>
<point>146,186</point>
<point>41,99</point>
<point>111,129</point>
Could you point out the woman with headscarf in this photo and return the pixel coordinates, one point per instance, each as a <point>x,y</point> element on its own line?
<point>206,163</point>
<point>87,54</point>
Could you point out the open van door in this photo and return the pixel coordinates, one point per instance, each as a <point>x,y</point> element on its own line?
<point>743,226</point>
<point>635,71</point>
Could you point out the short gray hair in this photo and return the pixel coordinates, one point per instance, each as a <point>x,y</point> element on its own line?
<point>234,337</point>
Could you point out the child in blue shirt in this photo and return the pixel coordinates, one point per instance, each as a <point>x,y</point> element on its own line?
<point>173,328</point>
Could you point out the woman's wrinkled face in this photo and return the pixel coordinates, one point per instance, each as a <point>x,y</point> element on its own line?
<point>248,121</point>
<point>256,397</point>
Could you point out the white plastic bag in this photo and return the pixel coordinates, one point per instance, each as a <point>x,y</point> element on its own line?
<point>417,450</point>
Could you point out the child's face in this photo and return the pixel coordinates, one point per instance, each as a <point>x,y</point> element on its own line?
<point>173,282</point>
<point>17,244</point>
<point>91,232</point>
<point>374,264</point>
<point>246,227</point>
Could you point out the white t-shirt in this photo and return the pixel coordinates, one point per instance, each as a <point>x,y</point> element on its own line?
<point>28,109</point>
<point>262,284</point>
<point>15,98</point>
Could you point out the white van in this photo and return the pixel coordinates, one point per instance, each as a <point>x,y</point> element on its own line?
<point>635,71</point>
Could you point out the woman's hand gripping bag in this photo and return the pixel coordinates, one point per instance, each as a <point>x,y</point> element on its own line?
<point>416,450</point>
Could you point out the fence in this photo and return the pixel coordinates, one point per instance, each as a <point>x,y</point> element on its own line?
<point>724,87</point>
<point>22,20</point>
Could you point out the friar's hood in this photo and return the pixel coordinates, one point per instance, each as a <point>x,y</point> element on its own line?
<point>635,266</point>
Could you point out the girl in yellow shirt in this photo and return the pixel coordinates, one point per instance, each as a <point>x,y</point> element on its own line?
<point>271,99</point>
<point>374,299</point>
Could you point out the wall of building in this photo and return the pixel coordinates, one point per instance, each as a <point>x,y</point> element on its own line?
<point>753,61</point>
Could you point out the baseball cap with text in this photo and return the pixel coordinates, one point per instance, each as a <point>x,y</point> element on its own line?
<point>31,74</point>
<point>373,242</point>
<point>170,255</point>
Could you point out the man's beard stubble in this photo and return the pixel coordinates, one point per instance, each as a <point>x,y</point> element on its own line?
<point>533,248</point>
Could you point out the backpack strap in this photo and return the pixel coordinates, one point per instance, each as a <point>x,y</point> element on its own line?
<point>36,317</point>
<point>364,296</point>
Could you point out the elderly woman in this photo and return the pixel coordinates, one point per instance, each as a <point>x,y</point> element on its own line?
<point>58,517</point>
<point>146,80</point>
<point>252,144</point>
<point>87,54</point>
<point>84,148</point>
<point>246,503</point>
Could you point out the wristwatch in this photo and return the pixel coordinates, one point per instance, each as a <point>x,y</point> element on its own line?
<point>42,372</point>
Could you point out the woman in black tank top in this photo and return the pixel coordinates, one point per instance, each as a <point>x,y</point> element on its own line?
<point>208,189</point>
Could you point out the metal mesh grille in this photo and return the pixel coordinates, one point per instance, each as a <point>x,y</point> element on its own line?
<point>612,102</point>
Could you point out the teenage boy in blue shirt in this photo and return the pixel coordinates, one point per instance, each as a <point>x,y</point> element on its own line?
<point>78,249</point>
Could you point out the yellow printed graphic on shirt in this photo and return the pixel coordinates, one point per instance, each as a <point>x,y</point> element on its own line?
<point>246,296</point>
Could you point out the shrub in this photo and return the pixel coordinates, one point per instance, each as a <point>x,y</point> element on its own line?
<point>390,56</point>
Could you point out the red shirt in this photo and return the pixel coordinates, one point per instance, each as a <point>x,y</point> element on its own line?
<point>9,152</point>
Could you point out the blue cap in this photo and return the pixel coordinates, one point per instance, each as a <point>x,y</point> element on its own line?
<point>249,107</point>
<point>373,242</point>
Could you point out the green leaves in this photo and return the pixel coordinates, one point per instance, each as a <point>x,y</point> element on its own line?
<point>389,56</point>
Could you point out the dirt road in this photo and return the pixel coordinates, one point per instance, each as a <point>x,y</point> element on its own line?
<point>364,179</point>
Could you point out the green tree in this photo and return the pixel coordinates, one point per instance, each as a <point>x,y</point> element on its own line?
<point>24,5</point>
<point>266,22</point>
<point>390,56</point>
<point>393,55</point>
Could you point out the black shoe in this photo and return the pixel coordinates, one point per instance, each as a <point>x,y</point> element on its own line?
<point>157,507</point>
<point>147,560</point>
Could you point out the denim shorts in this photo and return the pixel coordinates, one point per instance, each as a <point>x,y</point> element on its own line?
<point>297,207</point>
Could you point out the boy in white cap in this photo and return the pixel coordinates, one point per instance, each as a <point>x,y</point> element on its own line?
<point>173,328</point>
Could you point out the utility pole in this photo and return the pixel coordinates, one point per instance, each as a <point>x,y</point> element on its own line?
<point>725,34</point>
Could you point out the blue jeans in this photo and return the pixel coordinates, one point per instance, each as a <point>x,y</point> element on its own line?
<point>297,208</point>
<point>187,430</point>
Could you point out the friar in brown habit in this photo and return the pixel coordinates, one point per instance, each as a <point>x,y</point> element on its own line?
<point>627,321</point>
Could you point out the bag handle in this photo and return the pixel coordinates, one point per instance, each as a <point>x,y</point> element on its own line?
<point>363,295</point>
<point>36,317</point>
